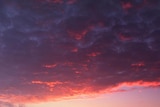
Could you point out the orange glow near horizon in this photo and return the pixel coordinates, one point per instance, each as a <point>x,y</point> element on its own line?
<point>121,99</point>
<point>79,53</point>
<point>79,94</point>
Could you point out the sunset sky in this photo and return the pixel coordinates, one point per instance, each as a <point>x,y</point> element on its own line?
<point>79,53</point>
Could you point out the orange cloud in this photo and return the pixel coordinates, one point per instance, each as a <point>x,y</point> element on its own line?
<point>123,37</point>
<point>127,5</point>
<point>50,84</point>
<point>74,50</point>
<point>134,84</point>
<point>70,91</point>
<point>50,66</point>
<point>94,54</point>
<point>140,64</point>
<point>78,35</point>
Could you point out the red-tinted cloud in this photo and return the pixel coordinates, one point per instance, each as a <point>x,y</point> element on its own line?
<point>55,49</point>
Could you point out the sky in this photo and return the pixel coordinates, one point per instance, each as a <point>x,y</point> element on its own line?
<point>79,53</point>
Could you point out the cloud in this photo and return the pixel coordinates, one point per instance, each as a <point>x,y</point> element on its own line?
<point>7,104</point>
<point>53,49</point>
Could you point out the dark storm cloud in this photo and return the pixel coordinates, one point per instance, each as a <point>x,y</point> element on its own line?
<point>62,48</point>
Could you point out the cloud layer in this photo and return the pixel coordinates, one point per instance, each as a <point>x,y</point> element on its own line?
<point>50,49</point>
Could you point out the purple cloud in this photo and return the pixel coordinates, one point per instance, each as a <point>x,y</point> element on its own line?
<point>51,49</point>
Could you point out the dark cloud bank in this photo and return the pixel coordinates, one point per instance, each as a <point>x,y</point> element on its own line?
<point>61,48</point>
